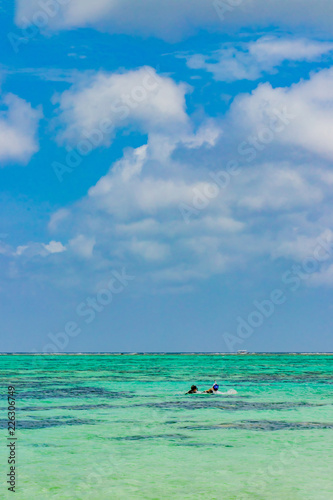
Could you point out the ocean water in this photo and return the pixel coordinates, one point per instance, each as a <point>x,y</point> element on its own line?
<point>121,427</point>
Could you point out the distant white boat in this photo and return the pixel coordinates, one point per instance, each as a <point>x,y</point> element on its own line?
<point>242,351</point>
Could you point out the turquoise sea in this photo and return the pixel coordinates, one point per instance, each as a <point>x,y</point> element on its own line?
<point>121,427</point>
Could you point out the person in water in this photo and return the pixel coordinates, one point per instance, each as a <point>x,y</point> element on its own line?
<point>193,390</point>
<point>213,389</point>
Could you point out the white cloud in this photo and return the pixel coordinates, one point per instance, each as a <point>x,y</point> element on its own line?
<point>96,106</point>
<point>273,51</point>
<point>217,224</point>
<point>209,249</point>
<point>126,191</point>
<point>18,128</point>
<point>135,210</point>
<point>58,217</point>
<point>33,249</point>
<point>149,250</point>
<point>248,61</point>
<point>21,249</point>
<point>324,277</point>
<point>177,18</point>
<point>277,187</point>
<point>299,115</point>
<point>299,247</point>
<point>144,226</point>
<point>132,213</point>
<point>55,247</point>
<point>208,134</point>
<point>82,246</point>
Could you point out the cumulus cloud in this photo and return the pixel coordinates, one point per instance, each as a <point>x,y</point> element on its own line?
<point>271,50</point>
<point>55,247</point>
<point>96,106</point>
<point>18,130</point>
<point>175,19</point>
<point>299,115</point>
<point>278,187</point>
<point>39,249</point>
<point>134,211</point>
<point>249,61</point>
<point>128,191</point>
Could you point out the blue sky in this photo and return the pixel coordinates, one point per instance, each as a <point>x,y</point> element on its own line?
<point>166,176</point>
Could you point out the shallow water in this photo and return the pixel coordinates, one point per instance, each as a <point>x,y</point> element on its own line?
<point>120,427</point>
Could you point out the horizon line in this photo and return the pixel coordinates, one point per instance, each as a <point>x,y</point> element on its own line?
<point>77,353</point>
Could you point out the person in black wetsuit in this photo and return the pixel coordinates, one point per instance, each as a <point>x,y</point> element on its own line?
<point>193,390</point>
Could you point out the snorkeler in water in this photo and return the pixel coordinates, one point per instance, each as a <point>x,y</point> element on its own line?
<point>193,390</point>
<point>213,389</point>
